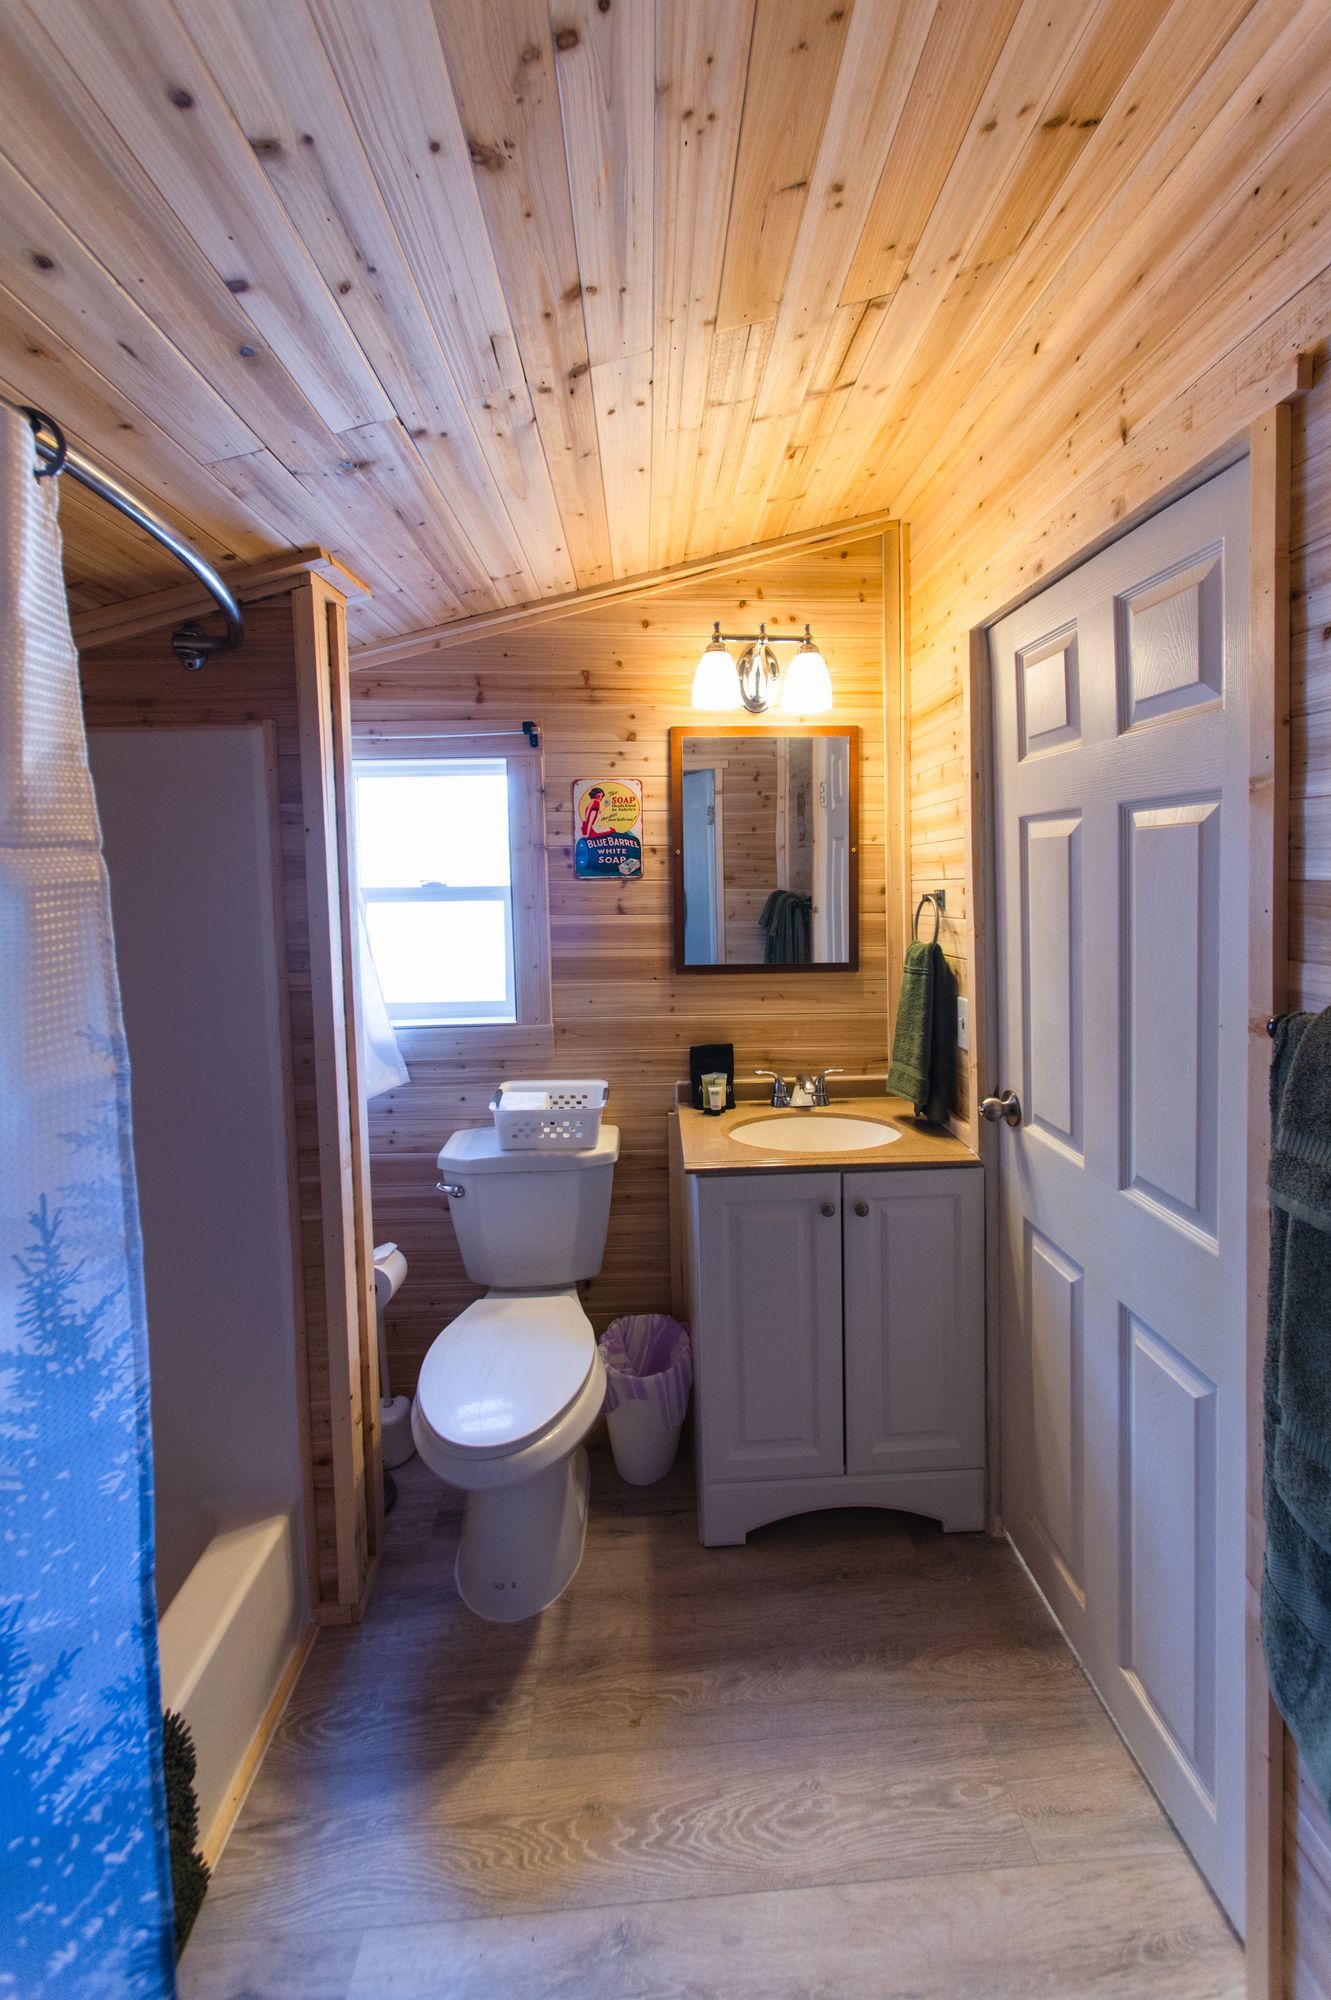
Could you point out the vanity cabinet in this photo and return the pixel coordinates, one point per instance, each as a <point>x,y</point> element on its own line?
<point>838,1333</point>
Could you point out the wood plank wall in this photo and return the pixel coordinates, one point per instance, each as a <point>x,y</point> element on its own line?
<point>605,686</point>
<point>1032,496</point>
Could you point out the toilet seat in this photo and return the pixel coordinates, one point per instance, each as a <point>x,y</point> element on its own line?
<point>504,1373</point>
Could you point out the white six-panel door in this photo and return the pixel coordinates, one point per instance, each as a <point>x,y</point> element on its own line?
<point>1121,768</point>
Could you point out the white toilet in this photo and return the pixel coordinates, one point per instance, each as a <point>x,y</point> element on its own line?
<point>510,1389</point>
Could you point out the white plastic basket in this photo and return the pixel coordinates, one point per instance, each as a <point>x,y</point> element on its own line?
<point>549,1117</point>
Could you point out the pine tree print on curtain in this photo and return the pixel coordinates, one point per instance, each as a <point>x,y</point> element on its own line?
<point>85,1910</point>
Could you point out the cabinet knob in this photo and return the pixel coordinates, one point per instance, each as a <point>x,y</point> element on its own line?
<point>829,1208</point>
<point>861,1208</point>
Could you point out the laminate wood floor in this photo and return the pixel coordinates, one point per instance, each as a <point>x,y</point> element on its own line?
<point>851,1761</point>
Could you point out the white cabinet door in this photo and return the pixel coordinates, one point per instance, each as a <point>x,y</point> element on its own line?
<point>767,1325</point>
<point>1121,808</point>
<point>914,1306</point>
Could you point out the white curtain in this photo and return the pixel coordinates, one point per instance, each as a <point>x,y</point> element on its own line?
<point>381,1064</point>
<point>85,1895</point>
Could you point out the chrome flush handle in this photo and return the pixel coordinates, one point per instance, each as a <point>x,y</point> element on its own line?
<point>452,1189</point>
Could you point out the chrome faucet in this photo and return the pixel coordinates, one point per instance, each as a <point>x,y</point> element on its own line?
<point>804,1094</point>
<point>820,1091</point>
<point>780,1092</point>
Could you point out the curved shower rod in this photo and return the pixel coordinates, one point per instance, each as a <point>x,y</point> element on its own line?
<point>191,645</point>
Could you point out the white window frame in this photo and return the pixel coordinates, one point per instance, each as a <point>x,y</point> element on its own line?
<point>439,1013</point>
<point>423,746</point>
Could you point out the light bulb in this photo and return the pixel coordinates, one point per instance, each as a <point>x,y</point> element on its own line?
<point>806,685</point>
<point>715,682</point>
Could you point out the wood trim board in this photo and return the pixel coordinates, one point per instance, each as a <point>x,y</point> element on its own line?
<point>332,1086</point>
<point>1268,950</point>
<point>412,645</point>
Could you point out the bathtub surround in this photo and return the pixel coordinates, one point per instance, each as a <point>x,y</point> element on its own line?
<point>288,681</point>
<point>605,685</point>
<point>185,821</point>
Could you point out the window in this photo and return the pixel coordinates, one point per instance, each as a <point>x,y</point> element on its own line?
<point>435,855</point>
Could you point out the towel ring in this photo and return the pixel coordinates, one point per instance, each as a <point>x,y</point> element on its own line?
<point>938,918</point>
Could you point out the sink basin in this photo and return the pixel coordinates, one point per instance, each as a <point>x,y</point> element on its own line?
<point>801,1132</point>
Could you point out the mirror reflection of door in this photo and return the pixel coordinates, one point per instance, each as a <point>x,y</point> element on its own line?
<point>771,881</point>
<point>704,911</point>
<point>831,846</point>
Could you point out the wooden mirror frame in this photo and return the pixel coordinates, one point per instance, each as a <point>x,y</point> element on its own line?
<point>720,731</point>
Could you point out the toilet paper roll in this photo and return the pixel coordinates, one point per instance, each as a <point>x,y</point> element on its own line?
<point>390,1268</point>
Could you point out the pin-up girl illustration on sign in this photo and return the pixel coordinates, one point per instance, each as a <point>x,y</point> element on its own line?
<point>609,820</point>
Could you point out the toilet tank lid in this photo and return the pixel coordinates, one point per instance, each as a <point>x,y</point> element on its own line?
<point>477,1149</point>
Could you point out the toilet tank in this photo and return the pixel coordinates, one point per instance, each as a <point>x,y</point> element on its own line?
<point>527,1220</point>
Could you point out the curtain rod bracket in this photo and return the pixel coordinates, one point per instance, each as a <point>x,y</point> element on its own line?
<point>194,647</point>
<point>532,734</point>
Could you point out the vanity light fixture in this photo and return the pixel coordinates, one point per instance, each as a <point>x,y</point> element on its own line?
<point>756,680</point>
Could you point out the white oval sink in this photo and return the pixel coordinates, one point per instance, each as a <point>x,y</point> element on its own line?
<point>800,1132</point>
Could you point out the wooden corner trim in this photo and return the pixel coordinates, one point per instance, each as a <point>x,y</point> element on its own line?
<point>268,577</point>
<point>436,638</point>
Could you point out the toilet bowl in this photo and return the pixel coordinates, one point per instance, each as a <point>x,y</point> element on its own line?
<point>509,1389</point>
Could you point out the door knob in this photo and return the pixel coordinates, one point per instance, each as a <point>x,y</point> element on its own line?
<point>861,1208</point>
<point>1007,1106</point>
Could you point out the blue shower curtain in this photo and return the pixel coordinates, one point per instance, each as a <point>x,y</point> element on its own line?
<point>85,1896</point>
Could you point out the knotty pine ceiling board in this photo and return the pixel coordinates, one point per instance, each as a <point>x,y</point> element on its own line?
<point>498,302</point>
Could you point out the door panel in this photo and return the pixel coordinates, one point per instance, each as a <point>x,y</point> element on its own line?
<point>1054,1318</point>
<point>1171,928</point>
<point>1172,648</point>
<point>769,1349</point>
<point>1121,781</point>
<point>1169,1588</point>
<point>914,1320</point>
<point>1051,927</point>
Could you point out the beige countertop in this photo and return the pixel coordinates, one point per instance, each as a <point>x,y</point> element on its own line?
<point>707,1148</point>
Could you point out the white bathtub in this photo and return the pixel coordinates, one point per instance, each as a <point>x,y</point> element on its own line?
<point>225,1639</point>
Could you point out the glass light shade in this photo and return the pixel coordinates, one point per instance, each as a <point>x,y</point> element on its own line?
<point>715,682</point>
<point>806,685</point>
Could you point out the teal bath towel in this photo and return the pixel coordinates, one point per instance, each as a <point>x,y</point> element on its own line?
<point>788,922</point>
<point>1296,1586</point>
<point>923,1047</point>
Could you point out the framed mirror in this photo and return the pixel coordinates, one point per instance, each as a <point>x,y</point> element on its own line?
<point>764,827</point>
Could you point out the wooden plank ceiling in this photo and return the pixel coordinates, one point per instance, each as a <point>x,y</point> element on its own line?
<point>500,299</point>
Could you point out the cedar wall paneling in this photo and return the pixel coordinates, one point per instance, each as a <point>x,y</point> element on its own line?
<point>1040,495</point>
<point>605,686</point>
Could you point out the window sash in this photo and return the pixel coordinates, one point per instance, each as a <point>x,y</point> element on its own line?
<point>426,1012</point>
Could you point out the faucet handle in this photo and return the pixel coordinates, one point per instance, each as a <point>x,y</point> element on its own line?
<point>820,1095</point>
<point>780,1091</point>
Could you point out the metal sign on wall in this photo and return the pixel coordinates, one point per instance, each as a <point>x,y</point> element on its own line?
<point>607,829</point>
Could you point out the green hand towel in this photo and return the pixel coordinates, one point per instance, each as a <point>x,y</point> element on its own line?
<point>913,1040</point>
<point>942,1040</point>
<point>1296,1586</point>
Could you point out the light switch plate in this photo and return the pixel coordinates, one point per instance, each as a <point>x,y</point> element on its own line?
<point>963,1023</point>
